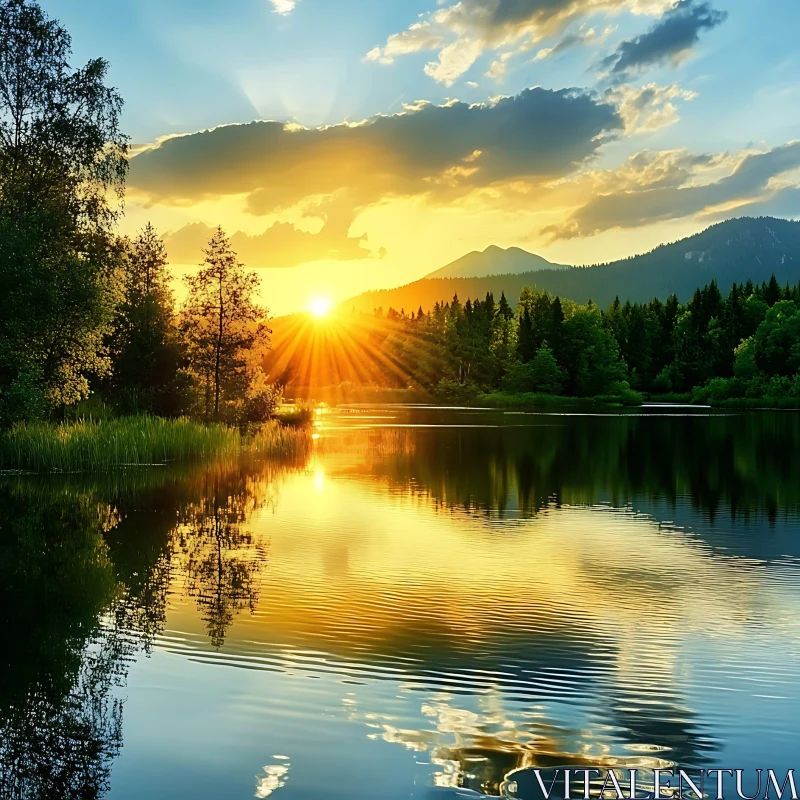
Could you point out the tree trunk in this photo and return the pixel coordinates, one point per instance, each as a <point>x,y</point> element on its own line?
<point>218,355</point>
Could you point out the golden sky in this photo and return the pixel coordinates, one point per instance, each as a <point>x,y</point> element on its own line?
<point>347,145</point>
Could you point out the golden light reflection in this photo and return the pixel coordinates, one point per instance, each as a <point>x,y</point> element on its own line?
<point>578,601</point>
<point>576,572</point>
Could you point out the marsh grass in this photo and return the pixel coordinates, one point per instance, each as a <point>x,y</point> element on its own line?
<point>92,445</point>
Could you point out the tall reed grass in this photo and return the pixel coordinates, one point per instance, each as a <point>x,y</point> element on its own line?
<point>90,446</point>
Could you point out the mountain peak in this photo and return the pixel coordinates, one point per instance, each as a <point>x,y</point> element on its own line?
<point>736,250</point>
<point>494,260</point>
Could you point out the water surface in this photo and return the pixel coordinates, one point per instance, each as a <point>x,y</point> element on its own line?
<point>432,597</point>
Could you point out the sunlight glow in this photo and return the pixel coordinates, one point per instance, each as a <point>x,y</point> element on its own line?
<point>320,307</point>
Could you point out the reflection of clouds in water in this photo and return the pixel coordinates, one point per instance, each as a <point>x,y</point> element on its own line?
<point>479,748</point>
<point>274,777</point>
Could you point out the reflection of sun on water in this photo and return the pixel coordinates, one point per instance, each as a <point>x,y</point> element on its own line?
<point>319,479</point>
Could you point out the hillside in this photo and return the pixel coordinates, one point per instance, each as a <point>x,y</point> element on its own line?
<point>733,251</point>
<point>494,261</point>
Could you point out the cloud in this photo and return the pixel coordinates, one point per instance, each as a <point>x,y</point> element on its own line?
<point>537,135</point>
<point>648,108</point>
<point>281,245</point>
<point>670,39</point>
<point>677,194</point>
<point>493,24</point>
<point>283,6</point>
<point>497,70</point>
<point>583,36</point>
<point>454,61</point>
<point>417,38</point>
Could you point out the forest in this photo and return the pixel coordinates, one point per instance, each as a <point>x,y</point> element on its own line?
<point>740,349</point>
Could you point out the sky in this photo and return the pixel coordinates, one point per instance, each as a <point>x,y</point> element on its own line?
<point>346,145</point>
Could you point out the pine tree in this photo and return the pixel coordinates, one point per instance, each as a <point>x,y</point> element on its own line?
<point>772,291</point>
<point>223,326</point>
<point>146,350</point>
<point>525,344</point>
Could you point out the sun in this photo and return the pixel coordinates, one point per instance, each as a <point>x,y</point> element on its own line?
<point>320,307</point>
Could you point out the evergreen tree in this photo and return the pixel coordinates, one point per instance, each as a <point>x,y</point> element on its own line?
<point>547,376</point>
<point>525,337</point>
<point>772,291</point>
<point>146,350</point>
<point>224,329</point>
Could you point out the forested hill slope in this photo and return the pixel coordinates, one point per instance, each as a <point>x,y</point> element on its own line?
<point>737,250</point>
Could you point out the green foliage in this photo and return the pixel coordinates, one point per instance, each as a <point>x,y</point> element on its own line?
<point>542,375</point>
<point>146,349</point>
<point>225,332</point>
<point>715,349</point>
<point>588,354</point>
<point>133,441</point>
<point>455,392</point>
<point>62,159</point>
<point>621,394</point>
<point>776,344</point>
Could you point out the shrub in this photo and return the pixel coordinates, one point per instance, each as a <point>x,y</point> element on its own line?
<point>448,391</point>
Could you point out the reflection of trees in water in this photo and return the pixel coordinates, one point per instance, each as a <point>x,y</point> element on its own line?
<point>85,571</point>
<point>60,726</point>
<point>59,747</point>
<point>744,464</point>
<point>221,559</point>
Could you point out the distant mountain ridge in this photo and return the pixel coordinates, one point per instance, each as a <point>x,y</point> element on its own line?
<point>494,260</point>
<point>736,250</point>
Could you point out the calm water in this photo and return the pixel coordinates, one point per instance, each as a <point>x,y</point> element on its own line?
<point>430,598</point>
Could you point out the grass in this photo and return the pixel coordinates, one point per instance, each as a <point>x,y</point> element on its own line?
<point>90,446</point>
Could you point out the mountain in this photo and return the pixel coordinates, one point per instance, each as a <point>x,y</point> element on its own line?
<point>736,250</point>
<point>494,260</point>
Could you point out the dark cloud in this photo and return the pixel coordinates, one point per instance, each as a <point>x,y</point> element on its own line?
<point>514,12</point>
<point>281,245</point>
<point>567,43</point>
<point>671,37</point>
<point>441,151</point>
<point>629,208</point>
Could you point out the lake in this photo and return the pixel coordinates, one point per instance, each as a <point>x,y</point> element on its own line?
<point>428,598</point>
